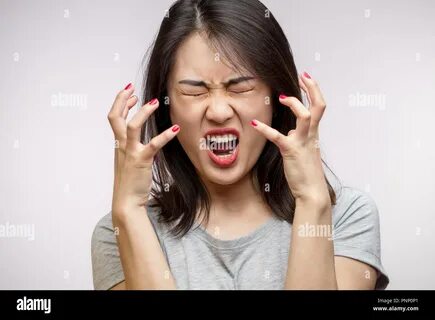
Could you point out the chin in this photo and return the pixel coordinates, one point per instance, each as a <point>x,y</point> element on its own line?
<point>226,176</point>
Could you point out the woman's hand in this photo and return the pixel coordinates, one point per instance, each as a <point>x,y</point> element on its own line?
<point>313,256</point>
<point>133,160</point>
<point>143,261</point>
<point>300,147</point>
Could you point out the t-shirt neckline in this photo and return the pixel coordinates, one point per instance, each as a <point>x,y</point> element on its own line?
<point>258,233</point>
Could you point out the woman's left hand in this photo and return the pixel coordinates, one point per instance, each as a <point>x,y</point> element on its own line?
<point>300,147</point>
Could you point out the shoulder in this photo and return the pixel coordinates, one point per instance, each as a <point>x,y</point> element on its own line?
<point>106,264</point>
<point>356,230</point>
<point>105,224</point>
<point>104,233</point>
<point>354,205</point>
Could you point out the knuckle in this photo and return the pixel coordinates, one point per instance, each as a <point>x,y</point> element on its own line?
<point>320,105</point>
<point>131,126</point>
<point>306,116</point>
<point>153,145</point>
<point>120,98</point>
<point>293,100</point>
<point>314,83</point>
<point>121,95</point>
<point>131,153</point>
<point>276,136</point>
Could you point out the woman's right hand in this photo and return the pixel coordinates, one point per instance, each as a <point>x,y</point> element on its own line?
<point>133,160</point>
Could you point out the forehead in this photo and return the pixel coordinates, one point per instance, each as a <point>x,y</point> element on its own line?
<point>197,59</point>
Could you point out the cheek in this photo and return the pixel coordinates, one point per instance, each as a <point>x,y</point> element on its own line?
<point>256,107</point>
<point>184,112</point>
<point>189,120</point>
<point>260,108</point>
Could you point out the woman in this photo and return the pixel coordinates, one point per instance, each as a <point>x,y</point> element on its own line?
<point>219,182</point>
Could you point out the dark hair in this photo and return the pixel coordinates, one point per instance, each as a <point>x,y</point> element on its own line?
<point>248,36</point>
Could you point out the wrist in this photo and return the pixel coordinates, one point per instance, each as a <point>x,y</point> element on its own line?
<point>123,215</point>
<point>318,202</point>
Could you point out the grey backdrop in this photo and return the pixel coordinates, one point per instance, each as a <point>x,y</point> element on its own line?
<point>61,63</point>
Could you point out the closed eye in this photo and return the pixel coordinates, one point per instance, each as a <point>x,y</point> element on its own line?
<point>194,94</point>
<point>241,91</point>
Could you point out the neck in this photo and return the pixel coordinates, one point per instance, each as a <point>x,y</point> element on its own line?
<point>240,200</point>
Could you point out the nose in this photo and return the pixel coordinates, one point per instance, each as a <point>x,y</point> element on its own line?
<point>218,109</point>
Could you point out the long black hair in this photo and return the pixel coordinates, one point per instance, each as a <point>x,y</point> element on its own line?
<point>247,35</point>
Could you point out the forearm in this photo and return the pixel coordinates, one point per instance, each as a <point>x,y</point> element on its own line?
<point>311,257</point>
<point>142,258</point>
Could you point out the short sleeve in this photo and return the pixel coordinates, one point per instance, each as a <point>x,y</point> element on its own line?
<point>357,231</point>
<point>106,263</point>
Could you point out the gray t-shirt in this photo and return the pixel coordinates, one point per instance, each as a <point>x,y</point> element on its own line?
<point>255,261</point>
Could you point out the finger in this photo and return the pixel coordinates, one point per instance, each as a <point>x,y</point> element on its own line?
<point>317,103</point>
<point>115,114</point>
<point>303,116</point>
<point>158,142</point>
<point>121,100</point>
<point>305,92</point>
<point>270,133</point>
<point>131,102</point>
<point>135,124</point>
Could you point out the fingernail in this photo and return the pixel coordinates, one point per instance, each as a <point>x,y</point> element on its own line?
<point>282,96</point>
<point>254,123</point>
<point>175,128</point>
<point>306,75</point>
<point>153,101</point>
<point>128,86</point>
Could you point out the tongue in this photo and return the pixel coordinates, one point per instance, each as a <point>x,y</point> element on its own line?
<point>221,152</point>
<point>223,149</point>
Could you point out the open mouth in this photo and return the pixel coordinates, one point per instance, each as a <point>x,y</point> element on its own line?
<point>223,146</point>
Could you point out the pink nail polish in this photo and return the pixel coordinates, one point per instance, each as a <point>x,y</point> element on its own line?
<point>175,128</point>
<point>254,123</point>
<point>128,86</point>
<point>306,75</point>
<point>282,96</point>
<point>153,101</point>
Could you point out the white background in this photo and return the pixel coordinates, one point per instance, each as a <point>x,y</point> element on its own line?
<point>56,160</point>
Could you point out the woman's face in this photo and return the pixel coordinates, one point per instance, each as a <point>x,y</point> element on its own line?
<point>214,106</point>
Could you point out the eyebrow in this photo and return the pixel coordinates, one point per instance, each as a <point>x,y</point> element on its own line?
<point>230,82</point>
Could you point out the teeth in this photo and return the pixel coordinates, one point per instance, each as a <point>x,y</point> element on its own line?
<point>224,155</point>
<point>222,138</point>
